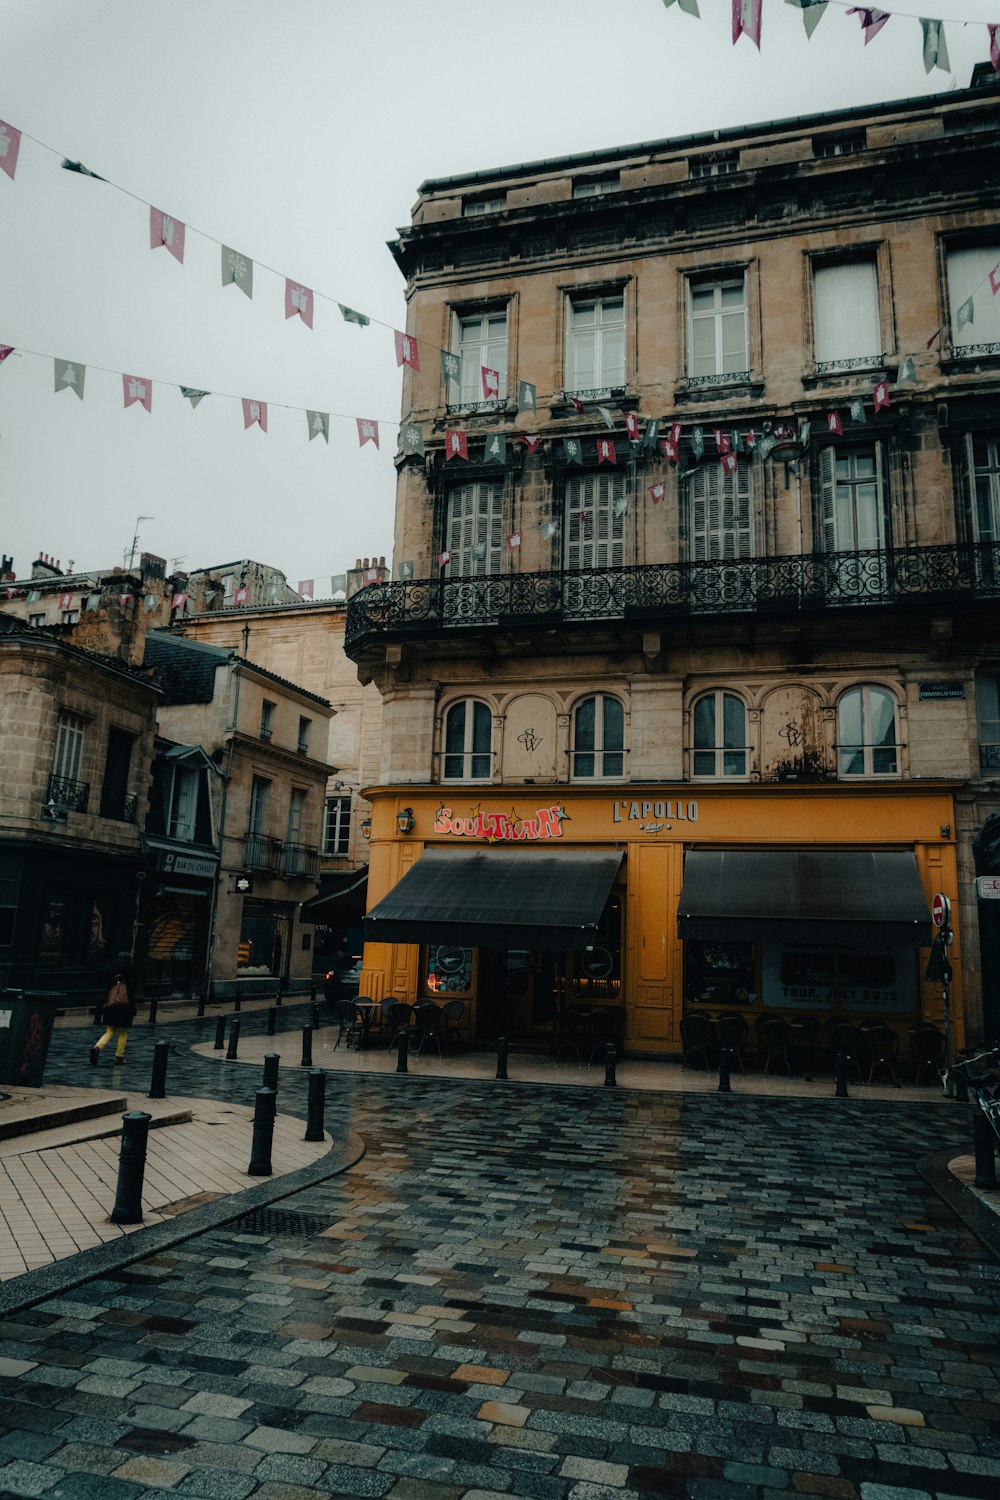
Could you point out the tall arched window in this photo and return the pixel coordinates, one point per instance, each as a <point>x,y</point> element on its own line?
<point>866,733</point>
<point>468,729</point>
<point>598,738</point>
<point>720,735</point>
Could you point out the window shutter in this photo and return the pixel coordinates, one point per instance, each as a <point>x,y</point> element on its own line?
<point>968,276</point>
<point>826,520</point>
<point>845,302</point>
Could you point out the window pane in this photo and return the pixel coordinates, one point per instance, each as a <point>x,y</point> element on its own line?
<point>614,763</point>
<point>585,723</point>
<point>583,765</point>
<point>849,717</point>
<point>734,763</point>
<point>704,763</point>
<point>734,722</point>
<point>481,727</point>
<point>454,734</point>
<point>614,725</point>
<point>852,763</point>
<point>883,716</point>
<point>479,767</point>
<point>884,762</point>
<point>704,725</point>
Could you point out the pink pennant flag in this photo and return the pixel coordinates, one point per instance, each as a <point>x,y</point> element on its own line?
<point>657,492</point>
<point>751,438</point>
<point>367,431</point>
<point>443,559</point>
<point>13,593</point>
<point>722,440</point>
<point>531,443</point>
<point>881,394</point>
<point>240,596</point>
<point>575,401</point>
<point>372,575</point>
<point>178,601</point>
<point>307,587</point>
<point>675,432</point>
<point>669,446</point>
<point>729,463</point>
<point>456,444</point>
<point>407,352</point>
<point>165,230</point>
<point>65,601</point>
<point>10,145</point>
<point>124,599</point>
<point>581,516</point>
<point>254,411</point>
<point>606,451</point>
<point>746,19</point>
<point>5,349</point>
<point>834,424</point>
<point>514,541</point>
<point>491,382</point>
<point>872,20</point>
<point>298,299</point>
<point>632,426</point>
<point>137,389</point>
<point>994,31</point>
<point>994,287</point>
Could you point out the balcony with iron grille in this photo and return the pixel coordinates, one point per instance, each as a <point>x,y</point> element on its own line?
<point>121,807</point>
<point>299,862</point>
<point>64,793</point>
<point>942,577</point>
<point>260,852</point>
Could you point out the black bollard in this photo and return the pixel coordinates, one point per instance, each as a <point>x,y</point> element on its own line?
<point>402,1052</point>
<point>317,1104</point>
<point>610,1081</point>
<point>501,1057</point>
<point>158,1082</point>
<point>201,1004</point>
<point>152,1009</point>
<point>265,1109</point>
<point>272,1020</point>
<point>220,1033</point>
<point>234,1039</point>
<point>314,1013</point>
<point>238,1001</point>
<point>270,1079</point>
<point>840,1074</point>
<point>725,1064</point>
<point>961,1087</point>
<point>131,1168</point>
<point>983,1145</point>
<point>307,1046</point>
<point>277,994</point>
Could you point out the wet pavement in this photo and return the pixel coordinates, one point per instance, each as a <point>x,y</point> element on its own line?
<point>553,1292</point>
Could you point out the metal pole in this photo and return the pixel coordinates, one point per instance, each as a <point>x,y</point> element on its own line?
<point>307,1046</point>
<point>725,1065</point>
<point>610,1081</point>
<point>402,1051</point>
<point>501,1057</point>
<point>840,1074</point>
<point>234,1040</point>
<point>238,1001</point>
<point>220,1033</point>
<point>317,1104</point>
<point>158,1082</point>
<point>131,1168</point>
<point>277,994</point>
<point>154,1001</point>
<point>314,1013</point>
<point>983,1145</point>
<point>272,1020</point>
<point>264,1112</point>
<point>201,1004</point>
<point>270,1079</point>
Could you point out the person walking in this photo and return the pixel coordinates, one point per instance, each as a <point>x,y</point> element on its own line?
<point>118,1012</point>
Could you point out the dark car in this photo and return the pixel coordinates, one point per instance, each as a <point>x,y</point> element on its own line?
<point>343,977</point>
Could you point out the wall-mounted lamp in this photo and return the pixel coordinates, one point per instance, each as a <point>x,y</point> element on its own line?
<point>366,828</point>
<point>405,821</point>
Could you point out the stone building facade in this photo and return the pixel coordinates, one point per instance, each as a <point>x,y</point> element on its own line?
<point>698,508</point>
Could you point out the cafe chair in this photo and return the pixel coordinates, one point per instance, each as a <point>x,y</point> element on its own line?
<point>697,1040</point>
<point>775,1040</point>
<point>400,1022</point>
<point>927,1051</point>
<point>879,1050</point>
<point>732,1033</point>
<point>429,1025</point>
<point>453,1014</point>
<point>345,1013</point>
<point>808,1042</point>
<point>573,1031</point>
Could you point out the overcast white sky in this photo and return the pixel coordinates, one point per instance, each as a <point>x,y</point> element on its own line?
<point>298,133</point>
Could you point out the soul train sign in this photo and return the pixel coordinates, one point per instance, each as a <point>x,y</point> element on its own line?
<point>543,823</point>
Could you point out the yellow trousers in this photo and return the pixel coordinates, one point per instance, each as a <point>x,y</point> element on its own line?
<point>121,1035</point>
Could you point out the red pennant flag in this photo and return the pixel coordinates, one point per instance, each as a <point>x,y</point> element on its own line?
<point>491,382</point>
<point>5,349</point>
<point>723,442</point>
<point>65,601</point>
<point>254,411</point>
<point>307,588</point>
<point>933,338</point>
<point>178,600</point>
<point>675,432</point>
<point>298,299</point>
<point>367,431</point>
<point>456,444</point>
<point>372,575</point>
<point>729,463</point>
<point>657,492</point>
<point>606,451</point>
<point>872,20</point>
<point>581,516</point>
<point>834,424</point>
<point>994,30</point>
<point>166,230</point>
<point>751,439</point>
<point>407,352</point>
<point>240,596</point>
<point>669,447</point>
<point>575,401</point>
<point>139,390</point>
<point>994,283</point>
<point>746,18</point>
<point>881,394</point>
<point>10,145</point>
<point>514,541</point>
<point>531,443</point>
<point>443,558</point>
<point>632,426</point>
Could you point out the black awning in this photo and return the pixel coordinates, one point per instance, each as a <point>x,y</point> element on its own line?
<point>340,898</point>
<point>493,899</point>
<point>834,898</point>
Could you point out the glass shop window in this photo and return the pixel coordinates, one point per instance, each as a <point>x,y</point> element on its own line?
<point>447,970</point>
<point>722,974</point>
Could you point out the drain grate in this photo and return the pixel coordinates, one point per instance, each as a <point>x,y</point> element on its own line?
<point>280,1221</point>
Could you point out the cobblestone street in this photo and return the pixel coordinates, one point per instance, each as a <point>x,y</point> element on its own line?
<point>568,1294</point>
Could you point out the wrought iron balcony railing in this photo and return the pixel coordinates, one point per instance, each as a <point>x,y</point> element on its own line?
<point>62,791</point>
<point>299,862</point>
<point>120,806</point>
<point>260,852</point>
<point>961,573</point>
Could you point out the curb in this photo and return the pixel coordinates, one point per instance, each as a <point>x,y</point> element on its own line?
<point>964,1204</point>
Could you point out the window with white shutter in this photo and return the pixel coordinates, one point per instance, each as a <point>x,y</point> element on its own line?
<point>474,529</point>
<point>982,477</point>
<point>852,499</point>
<point>975,311</point>
<point>720,514</point>
<point>846,322</point>
<point>68,758</point>
<point>594,527</point>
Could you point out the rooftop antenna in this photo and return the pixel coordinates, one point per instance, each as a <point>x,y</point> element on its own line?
<point>135,540</point>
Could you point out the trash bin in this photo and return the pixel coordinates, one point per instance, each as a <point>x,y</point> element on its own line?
<point>26,1021</point>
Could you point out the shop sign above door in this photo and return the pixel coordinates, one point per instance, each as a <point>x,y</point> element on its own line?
<point>512,827</point>
<point>654,816</point>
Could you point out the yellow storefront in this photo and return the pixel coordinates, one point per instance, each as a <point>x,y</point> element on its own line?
<point>527,902</point>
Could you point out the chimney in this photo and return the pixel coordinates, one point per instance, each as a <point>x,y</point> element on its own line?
<point>44,567</point>
<point>366,571</point>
